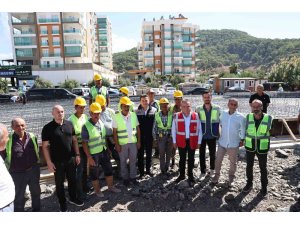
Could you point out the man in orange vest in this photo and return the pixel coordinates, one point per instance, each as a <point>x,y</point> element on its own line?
<point>187,136</point>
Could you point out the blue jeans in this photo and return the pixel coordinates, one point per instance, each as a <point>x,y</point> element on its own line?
<point>81,175</point>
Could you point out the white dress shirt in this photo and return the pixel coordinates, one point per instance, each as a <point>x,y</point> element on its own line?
<point>187,121</point>
<point>232,129</point>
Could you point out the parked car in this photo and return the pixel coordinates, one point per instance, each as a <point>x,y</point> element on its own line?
<point>113,93</point>
<point>170,90</point>
<point>84,92</point>
<point>157,91</point>
<point>197,91</point>
<point>236,89</point>
<point>13,91</point>
<point>49,94</point>
<point>163,91</point>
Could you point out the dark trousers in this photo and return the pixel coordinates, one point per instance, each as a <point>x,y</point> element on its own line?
<point>212,154</point>
<point>182,160</point>
<point>31,178</point>
<point>262,160</point>
<point>81,175</point>
<point>65,169</point>
<point>146,145</point>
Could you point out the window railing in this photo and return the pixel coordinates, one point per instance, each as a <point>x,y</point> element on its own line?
<point>48,20</point>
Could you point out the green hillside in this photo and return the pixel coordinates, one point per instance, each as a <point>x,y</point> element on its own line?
<point>124,61</point>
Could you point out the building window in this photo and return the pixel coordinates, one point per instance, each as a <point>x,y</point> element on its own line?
<point>251,83</point>
<point>226,83</point>
<point>157,61</point>
<point>157,36</point>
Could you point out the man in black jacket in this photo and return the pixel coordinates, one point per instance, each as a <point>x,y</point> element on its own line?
<point>145,114</point>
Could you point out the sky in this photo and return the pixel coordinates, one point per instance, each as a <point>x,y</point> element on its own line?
<point>126,26</point>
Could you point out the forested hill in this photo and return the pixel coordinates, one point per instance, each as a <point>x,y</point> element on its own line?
<point>124,61</point>
<point>217,48</point>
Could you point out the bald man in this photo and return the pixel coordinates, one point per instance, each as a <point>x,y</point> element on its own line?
<point>62,156</point>
<point>7,187</point>
<point>22,158</point>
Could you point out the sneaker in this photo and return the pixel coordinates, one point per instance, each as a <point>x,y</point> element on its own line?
<point>76,202</point>
<point>114,189</point>
<point>99,194</point>
<point>202,177</point>
<point>247,188</point>
<point>180,178</point>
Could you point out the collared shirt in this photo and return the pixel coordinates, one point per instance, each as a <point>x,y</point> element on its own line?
<point>187,121</point>
<point>164,120</point>
<point>107,118</point>
<point>7,186</point>
<point>233,129</point>
<point>127,119</point>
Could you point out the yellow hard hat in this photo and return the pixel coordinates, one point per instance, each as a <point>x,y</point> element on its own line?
<point>125,101</point>
<point>178,94</point>
<point>95,107</point>
<point>97,77</point>
<point>124,90</point>
<point>80,101</point>
<point>163,101</point>
<point>101,100</point>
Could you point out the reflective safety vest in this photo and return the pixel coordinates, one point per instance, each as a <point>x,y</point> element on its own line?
<point>96,142</point>
<point>9,147</point>
<point>94,92</point>
<point>122,132</point>
<point>160,124</point>
<point>214,120</point>
<point>258,139</point>
<point>78,124</point>
<point>180,130</point>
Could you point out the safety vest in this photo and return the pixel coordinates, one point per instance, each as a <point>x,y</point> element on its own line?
<point>9,147</point>
<point>96,142</point>
<point>160,124</point>
<point>214,120</point>
<point>78,124</point>
<point>180,130</point>
<point>122,132</point>
<point>94,92</point>
<point>258,139</point>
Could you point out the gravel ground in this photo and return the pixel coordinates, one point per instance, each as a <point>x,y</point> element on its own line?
<point>161,194</point>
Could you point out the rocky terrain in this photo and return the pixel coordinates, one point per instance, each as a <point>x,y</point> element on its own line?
<point>161,193</point>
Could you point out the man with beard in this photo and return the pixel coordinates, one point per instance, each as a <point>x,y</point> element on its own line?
<point>257,142</point>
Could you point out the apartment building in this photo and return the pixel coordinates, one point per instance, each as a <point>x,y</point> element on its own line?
<point>104,41</point>
<point>53,39</point>
<point>168,46</point>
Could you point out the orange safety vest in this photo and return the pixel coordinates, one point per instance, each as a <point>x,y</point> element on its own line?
<point>180,130</point>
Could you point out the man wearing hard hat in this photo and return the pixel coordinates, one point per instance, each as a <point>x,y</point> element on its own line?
<point>126,133</point>
<point>93,142</point>
<point>98,89</point>
<point>78,119</point>
<point>178,95</point>
<point>162,134</point>
<point>106,116</point>
<point>125,92</point>
<point>23,92</point>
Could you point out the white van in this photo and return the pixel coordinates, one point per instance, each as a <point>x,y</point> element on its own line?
<point>84,92</point>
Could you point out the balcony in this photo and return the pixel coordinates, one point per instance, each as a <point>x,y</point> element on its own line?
<point>187,49</point>
<point>177,63</point>
<point>51,54</point>
<point>56,43</point>
<point>148,65</point>
<point>168,64</point>
<point>186,32</point>
<point>187,55</point>
<point>22,54</point>
<point>148,49</point>
<point>22,20</point>
<point>177,30</point>
<point>23,32</point>
<point>177,45</point>
<point>167,46</point>
<point>148,56</point>
<point>24,43</point>
<point>148,31</point>
<point>48,20</point>
<point>73,42</point>
<point>70,20</point>
<point>72,31</point>
<point>52,65</point>
<point>73,54</point>
<point>44,44</point>
<point>55,31</point>
<point>148,39</point>
<point>44,32</point>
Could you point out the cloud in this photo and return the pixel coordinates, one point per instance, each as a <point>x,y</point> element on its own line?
<point>120,44</point>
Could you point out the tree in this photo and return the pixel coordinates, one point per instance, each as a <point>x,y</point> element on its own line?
<point>233,69</point>
<point>288,71</point>
<point>175,80</point>
<point>3,86</point>
<point>69,84</point>
<point>124,82</point>
<point>42,83</point>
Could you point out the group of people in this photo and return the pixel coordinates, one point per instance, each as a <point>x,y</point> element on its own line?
<point>82,145</point>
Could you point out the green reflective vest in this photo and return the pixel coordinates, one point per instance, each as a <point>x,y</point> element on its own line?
<point>160,124</point>
<point>214,120</point>
<point>122,132</point>
<point>94,92</point>
<point>96,142</point>
<point>9,147</point>
<point>258,139</point>
<point>78,124</point>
